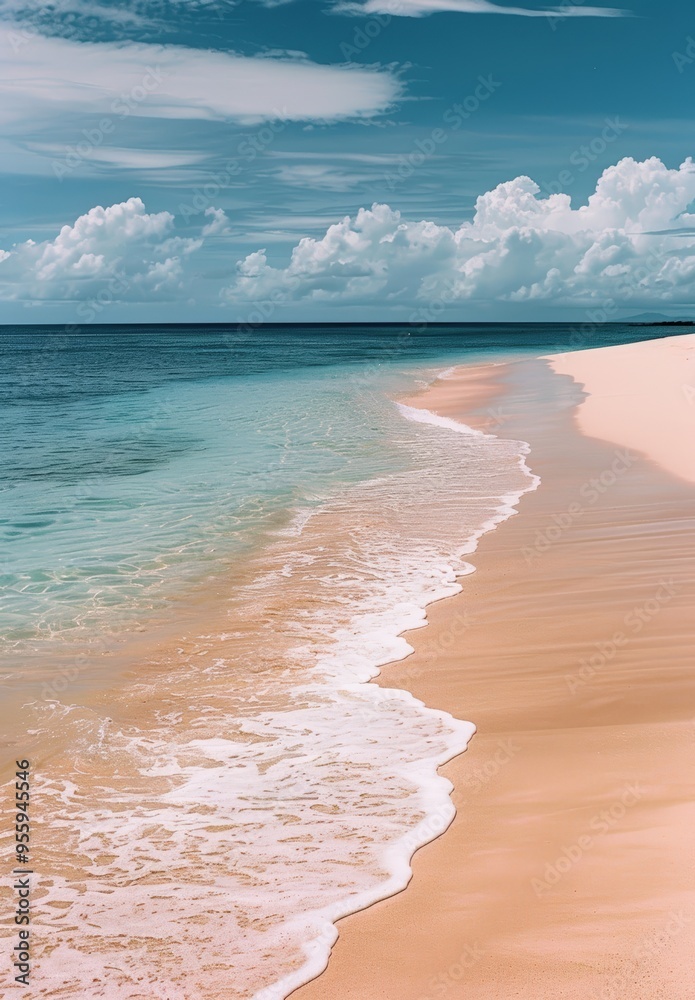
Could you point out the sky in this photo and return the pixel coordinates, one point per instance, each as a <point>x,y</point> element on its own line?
<point>346,160</point>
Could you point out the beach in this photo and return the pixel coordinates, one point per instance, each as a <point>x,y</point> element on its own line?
<point>244,663</point>
<point>568,870</point>
<point>347,496</point>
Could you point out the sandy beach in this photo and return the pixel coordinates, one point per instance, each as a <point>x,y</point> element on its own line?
<point>569,869</point>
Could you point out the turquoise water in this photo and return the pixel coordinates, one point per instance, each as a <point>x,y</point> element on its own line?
<point>115,499</point>
<point>138,461</point>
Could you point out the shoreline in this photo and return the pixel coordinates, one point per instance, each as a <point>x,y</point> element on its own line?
<point>195,748</point>
<point>154,685</point>
<point>560,774</point>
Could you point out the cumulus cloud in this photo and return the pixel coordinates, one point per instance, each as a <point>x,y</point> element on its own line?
<point>218,224</point>
<point>123,247</point>
<point>632,244</point>
<point>52,75</point>
<point>421,8</point>
<point>518,247</point>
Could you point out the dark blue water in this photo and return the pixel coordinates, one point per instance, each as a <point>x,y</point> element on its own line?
<point>46,363</point>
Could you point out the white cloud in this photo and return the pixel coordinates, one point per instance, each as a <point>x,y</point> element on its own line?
<point>78,18</point>
<point>518,247</point>
<point>144,159</point>
<point>218,225</point>
<point>31,16</point>
<point>121,246</point>
<point>632,243</point>
<point>49,75</point>
<point>421,8</point>
<point>122,157</point>
<point>320,176</point>
<point>375,159</point>
<point>335,171</point>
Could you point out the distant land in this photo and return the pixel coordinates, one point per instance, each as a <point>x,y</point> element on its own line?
<point>657,319</point>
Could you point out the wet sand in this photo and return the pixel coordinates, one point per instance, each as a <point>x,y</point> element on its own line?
<point>569,871</point>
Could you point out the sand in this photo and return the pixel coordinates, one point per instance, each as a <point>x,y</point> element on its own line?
<point>569,870</point>
<point>640,395</point>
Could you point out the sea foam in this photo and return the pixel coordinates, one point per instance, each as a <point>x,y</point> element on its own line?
<point>237,799</point>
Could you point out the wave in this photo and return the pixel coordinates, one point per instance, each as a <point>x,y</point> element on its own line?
<point>247,787</point>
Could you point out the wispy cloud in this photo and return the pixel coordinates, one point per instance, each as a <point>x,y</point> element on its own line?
<point>82,19</point>
<point>129,159</point>
<point>50,75</point>
<point>368,159</point>
<point>421,8</point>
<point>329,172</point>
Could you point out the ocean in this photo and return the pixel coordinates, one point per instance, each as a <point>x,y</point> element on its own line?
<point>211,539</point>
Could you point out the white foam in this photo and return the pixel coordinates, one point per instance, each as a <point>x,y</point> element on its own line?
<point>421,416</point>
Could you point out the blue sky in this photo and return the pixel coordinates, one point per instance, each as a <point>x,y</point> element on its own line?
<point>190,147</point>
